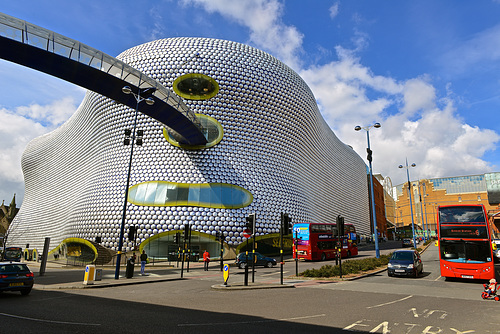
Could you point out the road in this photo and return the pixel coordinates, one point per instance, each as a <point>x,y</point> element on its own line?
<point>375,304</point>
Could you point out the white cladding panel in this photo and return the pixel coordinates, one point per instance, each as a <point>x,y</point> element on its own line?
<point>276,145</point>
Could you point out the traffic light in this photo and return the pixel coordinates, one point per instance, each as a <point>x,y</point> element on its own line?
<point>340,225</point>
<point>131,233</point>
<point>187,231</point>
<point>250,224</point>
<point>369,155</point>
<point>177,238</point>
<point>128,133</point>
<point>286,224</point>
<point>139,135</point>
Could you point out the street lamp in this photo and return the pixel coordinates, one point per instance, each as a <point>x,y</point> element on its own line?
<point>369,158</point>
<point>409,193</point>
<point>141,95</point>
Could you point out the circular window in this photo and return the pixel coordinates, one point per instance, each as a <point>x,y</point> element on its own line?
<point>196,86</point>
<point>212,130</point>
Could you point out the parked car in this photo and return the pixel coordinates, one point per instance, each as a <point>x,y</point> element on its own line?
<point>261,260</point>
<point>407,242</point>
<point>16,276</point>
<point>405,263</point>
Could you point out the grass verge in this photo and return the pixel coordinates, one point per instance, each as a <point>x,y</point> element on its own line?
<point>349,267</point>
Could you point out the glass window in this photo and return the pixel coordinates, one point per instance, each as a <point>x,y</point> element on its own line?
<point>212,130</point>
<point>182,195</point>
<point>226,198</point>
<point>161,194</point>
<point>171,198</point>
<point>149,196</point>
<point>215,193</point>
<point>141,193</point>
<point>461,214</point>
<point>196,86</point>
<point>212,195</point>
<point>205,194</point>
<point>194,194</point>
<point>466,252</point>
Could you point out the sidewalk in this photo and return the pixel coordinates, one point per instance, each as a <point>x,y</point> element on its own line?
<point>61,276</point>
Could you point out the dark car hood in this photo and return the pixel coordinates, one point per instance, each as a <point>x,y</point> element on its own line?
<point>401,262</point>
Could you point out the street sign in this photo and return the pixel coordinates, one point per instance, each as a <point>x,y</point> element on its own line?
<point>246,233</point>
<point>226,273</point>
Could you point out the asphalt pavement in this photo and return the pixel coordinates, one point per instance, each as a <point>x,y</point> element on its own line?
<point>59,275</point>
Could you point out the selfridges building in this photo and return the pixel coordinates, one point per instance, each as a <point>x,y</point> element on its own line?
<point>269,151</point>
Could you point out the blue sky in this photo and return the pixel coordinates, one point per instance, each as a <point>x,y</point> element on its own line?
<point>428,71</point>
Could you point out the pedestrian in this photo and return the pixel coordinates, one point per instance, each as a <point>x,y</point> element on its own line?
<point>144,259</point>
<point>206,259</point>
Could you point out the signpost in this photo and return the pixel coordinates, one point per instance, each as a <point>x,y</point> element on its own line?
<point>226,273</point>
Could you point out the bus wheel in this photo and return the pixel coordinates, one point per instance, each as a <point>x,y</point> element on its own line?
<point>323,257</point>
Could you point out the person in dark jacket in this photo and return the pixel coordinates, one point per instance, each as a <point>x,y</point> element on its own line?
<point>144,259</point>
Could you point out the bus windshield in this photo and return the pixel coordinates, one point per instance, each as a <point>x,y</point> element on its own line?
<point>461,214</point>
<point>465,251</point>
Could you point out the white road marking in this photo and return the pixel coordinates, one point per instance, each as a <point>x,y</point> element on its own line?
<point>49,321</point>
<point>394,301</point>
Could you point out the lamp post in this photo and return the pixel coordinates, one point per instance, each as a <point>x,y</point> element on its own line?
<point>409,193</point>
<point>141,95</point>
<point>369,158</point>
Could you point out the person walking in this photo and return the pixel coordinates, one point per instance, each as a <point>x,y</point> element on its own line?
<point>144,259</point>
<point>206,260</point>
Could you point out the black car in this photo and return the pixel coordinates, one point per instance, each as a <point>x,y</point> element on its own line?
<point>407,242</point>
<point>16,276</point>
<point>405,263</point>
<point>261,260</point>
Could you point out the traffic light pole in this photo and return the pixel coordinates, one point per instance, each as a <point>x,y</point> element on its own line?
<point>250,232</point>
<point>254,258</point>
<point>340,232</point>
<point>189,246</point>
<point>221,251</point>
<point>246,265</point>
<point>281,246</point>
<point>296,254</point>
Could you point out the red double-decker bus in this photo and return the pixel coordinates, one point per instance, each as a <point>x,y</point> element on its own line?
<point>317,241</point>
<point>465,242</point>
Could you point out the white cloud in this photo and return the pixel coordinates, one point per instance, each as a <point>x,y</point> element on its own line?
<point>334,10</point>
<point>263,18</point>
<point>53,114</point>
<point>17,129</point>
<point>418,95</point>
<point>483,49</point>
<point>425,129</point>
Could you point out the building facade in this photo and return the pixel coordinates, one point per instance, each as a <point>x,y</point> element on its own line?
<point>428,194</point>
<point>269,151</point>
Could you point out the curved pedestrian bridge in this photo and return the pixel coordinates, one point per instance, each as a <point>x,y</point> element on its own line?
<point>46,51</point>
